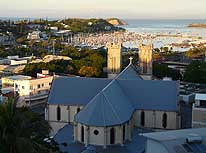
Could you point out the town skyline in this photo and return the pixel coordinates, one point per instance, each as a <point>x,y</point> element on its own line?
<point>131,9</point>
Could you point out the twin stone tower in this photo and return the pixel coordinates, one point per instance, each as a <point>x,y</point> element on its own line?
<point>114,60</point>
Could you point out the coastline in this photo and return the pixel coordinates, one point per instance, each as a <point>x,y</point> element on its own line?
<point>197,25</point>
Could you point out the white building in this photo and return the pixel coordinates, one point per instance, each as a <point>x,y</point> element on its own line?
<point>15,60</point>
<point>18,62</point>
<point>49,58</point>
<point>9,81</point>
<point>177,141</point>
<point>199,111</point>
<point>187,97</point>
<point>35,35</point>
<point>53,28</point>
<point>31,91</point>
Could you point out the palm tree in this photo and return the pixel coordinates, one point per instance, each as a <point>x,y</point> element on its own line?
<point>19,128</point>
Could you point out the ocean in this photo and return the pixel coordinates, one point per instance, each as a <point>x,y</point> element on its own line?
<point>165,26</point>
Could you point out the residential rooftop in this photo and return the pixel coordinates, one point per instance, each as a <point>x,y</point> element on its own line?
<point>19,77</point>
<point>176,134</point>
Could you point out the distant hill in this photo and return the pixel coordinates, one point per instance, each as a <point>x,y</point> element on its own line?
<point>85,25</point>
<point>116,22</point>
<point>197,25</point>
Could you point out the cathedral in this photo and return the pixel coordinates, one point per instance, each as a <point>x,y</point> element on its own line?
<point>105,111</point>
<point>114,60</point>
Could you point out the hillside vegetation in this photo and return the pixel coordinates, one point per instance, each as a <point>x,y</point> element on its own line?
<point>196,52</point>
<point>85,25</point>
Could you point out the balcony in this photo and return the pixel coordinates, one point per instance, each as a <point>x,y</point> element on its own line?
<point>34,97</point>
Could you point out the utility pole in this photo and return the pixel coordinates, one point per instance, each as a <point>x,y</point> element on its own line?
<point>54,47</point>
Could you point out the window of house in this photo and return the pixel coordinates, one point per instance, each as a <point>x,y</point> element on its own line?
<point>164,120</point>
<point>203,103</point>
<point>42,85</point>
<point>58,113</point>
<point>96,132</point>
<point>50,83</point>
<point>39,86</point>
<point>22,87</point>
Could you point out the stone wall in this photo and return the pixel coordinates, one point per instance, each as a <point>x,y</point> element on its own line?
<point>154,119</point>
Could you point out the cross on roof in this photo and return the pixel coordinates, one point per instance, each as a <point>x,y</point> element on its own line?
<point>130,60</point>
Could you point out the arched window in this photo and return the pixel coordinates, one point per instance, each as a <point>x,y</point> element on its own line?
<point>164,120</point>
<point>123,133</point>
<point>145,66</point>
<point>58,113</point>
<point>82,133</point>
<point>78,110</point>
<point>142,121</point>
<point>112,136</point>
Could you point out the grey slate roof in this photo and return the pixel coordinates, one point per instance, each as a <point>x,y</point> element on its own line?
<point>137,145</point>
<point>130,72</point>
<point>151,95</point>
<point>109,107</point>
<point>113,102</point>
<point>65,135</point>
<point>75,90</point>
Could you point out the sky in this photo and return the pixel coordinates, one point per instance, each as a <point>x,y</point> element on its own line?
<point>134,9</point>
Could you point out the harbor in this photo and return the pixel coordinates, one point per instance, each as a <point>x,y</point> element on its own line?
<point>175,42</point>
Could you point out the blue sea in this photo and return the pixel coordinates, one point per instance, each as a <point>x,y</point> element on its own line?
<point>165,26</point>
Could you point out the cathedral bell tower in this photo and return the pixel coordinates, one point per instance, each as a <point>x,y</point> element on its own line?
<point>114,59</point>
<point>145,60</point>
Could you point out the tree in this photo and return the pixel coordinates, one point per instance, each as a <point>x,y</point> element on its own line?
<point>195,72</point>
<point>21,40</point>
<point>157,56</point>
<point>45,44</point>
<point>3,53</point>
<point>70,69</point>
<point>89,71</point>
<point>71,52</point>
<point>162,70</point>
<point>196,52</point>
<point>20,128</point>
<point>84,57</point>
